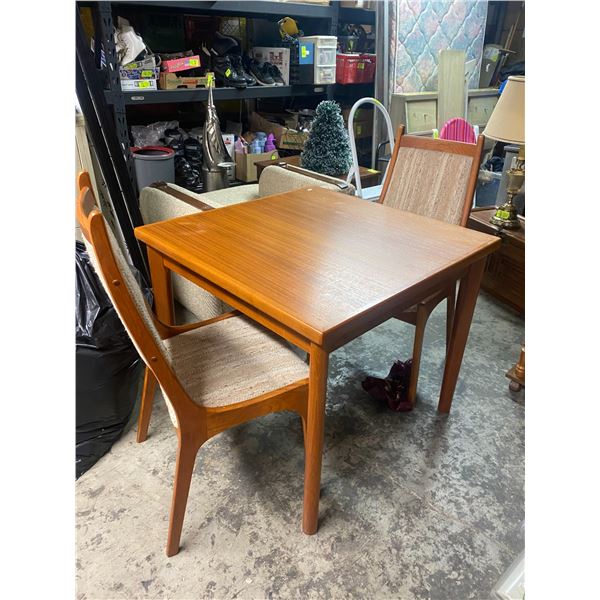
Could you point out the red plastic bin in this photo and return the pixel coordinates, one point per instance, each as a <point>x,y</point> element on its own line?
<point>349,68</point>
<point>368,72</point>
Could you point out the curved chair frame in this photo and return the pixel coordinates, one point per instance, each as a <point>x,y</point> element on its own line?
<point>195,423</point>
<point>418,314</point>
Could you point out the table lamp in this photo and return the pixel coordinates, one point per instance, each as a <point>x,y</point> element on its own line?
<point>507,124</point>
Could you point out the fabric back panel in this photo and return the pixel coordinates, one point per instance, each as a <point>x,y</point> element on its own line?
<point>430,183</point>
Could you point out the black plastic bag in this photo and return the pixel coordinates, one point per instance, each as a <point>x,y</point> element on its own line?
<point>108,368</point>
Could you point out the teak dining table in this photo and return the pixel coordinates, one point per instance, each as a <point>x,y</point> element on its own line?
<point>320,268</point>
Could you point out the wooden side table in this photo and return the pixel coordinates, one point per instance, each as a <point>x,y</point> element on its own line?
<point>504,275</point>
<point>368,177</point>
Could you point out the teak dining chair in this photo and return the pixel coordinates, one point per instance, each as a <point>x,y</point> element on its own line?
<point>214,374</point>
<point>434,178</point>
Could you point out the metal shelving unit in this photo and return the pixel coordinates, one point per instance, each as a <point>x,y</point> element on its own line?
<point>255,8</point>
<point>229,93</point>
<point>107,105</point>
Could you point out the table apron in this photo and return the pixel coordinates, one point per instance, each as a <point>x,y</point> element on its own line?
<point>346,332</point>
<point>256,315</point>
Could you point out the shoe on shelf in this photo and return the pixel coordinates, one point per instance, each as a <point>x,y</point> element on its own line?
<point>223,44</point>
<point>262,75</point>
<point>274,72</point>
<point>225,73</point>
<point>237,64</point>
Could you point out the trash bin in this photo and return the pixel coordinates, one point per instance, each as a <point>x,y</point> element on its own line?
<point>153,163</point>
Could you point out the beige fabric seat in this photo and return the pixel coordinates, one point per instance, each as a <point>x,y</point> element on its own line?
<point>220,364</point>
<point>231,361</point>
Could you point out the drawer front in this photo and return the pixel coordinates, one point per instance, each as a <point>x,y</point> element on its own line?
<point>324,74</point>
<point>480,109</point>
<point>421,115</point>
<point>504,276</point>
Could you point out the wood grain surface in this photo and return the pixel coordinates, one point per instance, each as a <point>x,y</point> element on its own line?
<point>317,260</point>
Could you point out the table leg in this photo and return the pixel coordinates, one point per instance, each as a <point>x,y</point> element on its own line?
<point>465,305</point>
<point>161,288</point>
<point>313,443</point>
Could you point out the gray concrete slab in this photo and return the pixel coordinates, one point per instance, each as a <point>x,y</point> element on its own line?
<point>414,505</point>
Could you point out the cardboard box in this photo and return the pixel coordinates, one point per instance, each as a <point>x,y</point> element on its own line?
<point>245,164</point>
<point>180,64</point>
<point>280,57</point>
<point>171,81</point>
<point>146,63</point>
<point>363,122</point>
<point>135,85</point>
<point>363,129</point>
<point>285,138</point>
<point>139,73</point>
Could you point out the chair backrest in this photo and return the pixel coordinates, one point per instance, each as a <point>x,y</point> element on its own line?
<point>277,180</point>
<point>125,293</point>
<point>458,130</point>
<point>432,177</point>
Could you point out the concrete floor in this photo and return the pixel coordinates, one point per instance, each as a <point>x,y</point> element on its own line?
<point>413,505</point>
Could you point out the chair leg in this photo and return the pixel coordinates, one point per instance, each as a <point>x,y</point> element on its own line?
<point>304,431</point>
<point>186,457</point>
<point>146,405</point>
<point>416,357</point>
<point>450,304</point>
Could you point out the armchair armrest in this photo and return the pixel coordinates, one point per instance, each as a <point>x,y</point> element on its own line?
<point>168,331</point>
<point>277,179</point>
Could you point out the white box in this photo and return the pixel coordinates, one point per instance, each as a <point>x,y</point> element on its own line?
<point>280,57</point>
<point>138,85</point>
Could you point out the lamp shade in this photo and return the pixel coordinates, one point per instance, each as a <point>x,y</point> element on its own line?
<point>507,123</point>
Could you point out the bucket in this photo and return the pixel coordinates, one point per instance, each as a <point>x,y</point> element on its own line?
<point>153,163</point>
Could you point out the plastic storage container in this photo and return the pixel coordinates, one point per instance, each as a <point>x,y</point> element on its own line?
<point>325,75</point>
<point>368,73</point>
<point>325,47</point>
<point>349,68</point>
<point>355,68</point>
<point>325,57</point>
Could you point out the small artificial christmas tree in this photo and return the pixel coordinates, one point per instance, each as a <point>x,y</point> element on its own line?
<point>327,149</point>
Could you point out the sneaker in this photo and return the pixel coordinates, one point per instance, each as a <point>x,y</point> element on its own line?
<point>261,74</point>
<point>225,74</point>
<point>275,73</point>
<point>236,62</point>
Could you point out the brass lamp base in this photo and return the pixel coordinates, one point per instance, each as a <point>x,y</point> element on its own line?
<point>506,216</point>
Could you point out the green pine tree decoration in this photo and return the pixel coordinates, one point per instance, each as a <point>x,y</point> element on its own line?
<point>327,149</point>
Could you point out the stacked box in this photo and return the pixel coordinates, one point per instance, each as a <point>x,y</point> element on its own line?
<point>139,75</point>
<point>325,47</point>
<point>134,85</point>
<point>180,64</point>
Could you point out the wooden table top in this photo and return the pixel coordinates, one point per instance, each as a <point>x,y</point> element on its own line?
<point>315,259</point>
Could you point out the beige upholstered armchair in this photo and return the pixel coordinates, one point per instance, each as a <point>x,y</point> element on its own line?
<point>163,201</point>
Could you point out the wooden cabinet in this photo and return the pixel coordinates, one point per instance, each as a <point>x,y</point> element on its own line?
<point>504,275</point>
<point>418,110</point>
